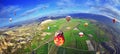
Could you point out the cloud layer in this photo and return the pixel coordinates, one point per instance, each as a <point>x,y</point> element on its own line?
<point>6,12</point>
<point>34,9</point>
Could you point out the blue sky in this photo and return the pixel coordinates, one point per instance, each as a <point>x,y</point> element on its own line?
<point>31,9</point>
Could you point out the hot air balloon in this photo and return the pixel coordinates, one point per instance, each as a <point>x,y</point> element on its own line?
<point>86,24</point>
<point>59,39</point>
<point>68,18</point>
<point>114,20</point>
<point>10,19</point>
<point>81,34</point>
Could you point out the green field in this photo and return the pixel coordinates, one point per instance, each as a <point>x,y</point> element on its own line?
<point>74,44</point>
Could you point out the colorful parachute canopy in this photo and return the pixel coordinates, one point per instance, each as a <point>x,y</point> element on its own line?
<point>81,34</point>
<point>59,39</point>
<point>68,18</point>
<point>114,20</point>
<point>85,24</point>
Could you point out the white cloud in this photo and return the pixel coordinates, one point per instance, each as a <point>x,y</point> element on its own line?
<point>67,3</point>
<point>30,11</point>
<point>6,11</point>
<point>10,9</point>
<point>114,2</point>
<point>108,9</point>
<point>35,9</point>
